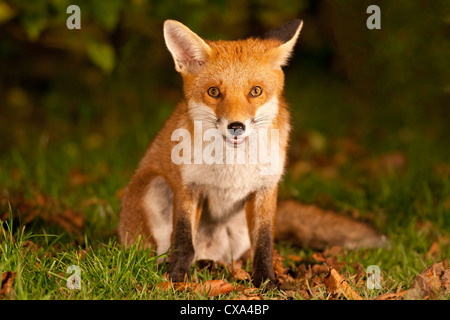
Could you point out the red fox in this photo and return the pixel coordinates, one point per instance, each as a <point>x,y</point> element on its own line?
<point>181,201</point>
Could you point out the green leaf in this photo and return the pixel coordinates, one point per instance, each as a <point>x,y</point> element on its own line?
<point>34,25</point>
<point>102,55</point>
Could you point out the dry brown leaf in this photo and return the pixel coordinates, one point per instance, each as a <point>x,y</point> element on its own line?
<point>433,280</point>
<point>177,286</point>
<point>44,207</point>
<point>249,291</point>
<point>69,220</point>
<point>211,288</point>
<point>318,257</point>
<point>291,283</point>
<point>304,294</point>
<point>294,258</point>
<point>316,281</point>
<point>304,272</point>
<point>240,275</point>
<point>333,251</point>
<point>258,297</point>
<point>237,264</point>
<point>359,276</point>
<point>433,252</point>
<point>6,284</point>
<point>248,294</point>
<point>336,285</point>
<point>278,268</point>
<point>320,269</point>
<point>392,296</point>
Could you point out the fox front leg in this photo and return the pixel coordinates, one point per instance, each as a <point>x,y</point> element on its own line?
<point>184,214</point>
<point>260,212</point>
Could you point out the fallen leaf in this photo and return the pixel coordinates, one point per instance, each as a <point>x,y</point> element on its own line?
<point>44,207</point>
<point>6,284</point>
<point>294,258</point>
<point>249,294</point>
<point>69,220</point>
<point>336,285</point>
<point>392,296</point>
<point>211,288</point>
<point>304,272</point>
<point>333,251</point>
<point>316,281</point>
<point>240,275</point>
<point>177,286</point>
<point>318,257</point>
<point>433,252</point>
<point>433,280</point>
<point>320,269</point>
<point>359,277</point>
<point>278,268</point>
<point>291,283</point>
<point>304,294</point>
<point>241,297</point>
<point>250,291</point>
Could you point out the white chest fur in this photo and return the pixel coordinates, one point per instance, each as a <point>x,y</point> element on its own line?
<point>225,174</point>
<point>226,185</point>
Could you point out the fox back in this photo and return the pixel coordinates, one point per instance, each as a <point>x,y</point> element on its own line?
<point>207,185</point>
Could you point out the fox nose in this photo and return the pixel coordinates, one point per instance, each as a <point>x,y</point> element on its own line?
<point>236,128</point>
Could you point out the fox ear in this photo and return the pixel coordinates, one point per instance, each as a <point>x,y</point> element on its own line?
<point>287,34</point>
<point>188,50</point>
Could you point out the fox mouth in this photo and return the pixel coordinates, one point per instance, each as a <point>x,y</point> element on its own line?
<point>234,141</point>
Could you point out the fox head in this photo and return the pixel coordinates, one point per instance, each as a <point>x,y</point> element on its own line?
<point>234,86</point>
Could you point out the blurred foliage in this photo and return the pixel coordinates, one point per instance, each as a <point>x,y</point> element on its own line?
<point>116,71</point>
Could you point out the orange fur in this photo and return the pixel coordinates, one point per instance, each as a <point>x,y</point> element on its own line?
<point>166,201</point>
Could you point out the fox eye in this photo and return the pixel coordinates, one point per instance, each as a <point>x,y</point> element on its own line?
<point>214,92</point>
<point>256,91</point>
